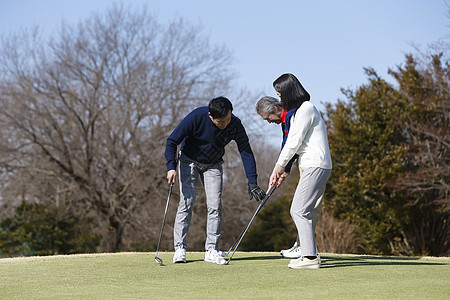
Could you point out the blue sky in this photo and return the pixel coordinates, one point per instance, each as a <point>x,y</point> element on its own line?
<point>325,43</point>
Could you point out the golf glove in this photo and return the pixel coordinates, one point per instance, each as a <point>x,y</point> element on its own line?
<point>255,191</point>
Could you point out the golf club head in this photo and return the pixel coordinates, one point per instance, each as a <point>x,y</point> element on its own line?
<point>159,260</point>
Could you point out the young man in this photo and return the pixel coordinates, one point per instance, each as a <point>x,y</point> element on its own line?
<point>270,109</point>
<point>203,135</point>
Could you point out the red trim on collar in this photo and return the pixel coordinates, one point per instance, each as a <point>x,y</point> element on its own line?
<point>283,116</point>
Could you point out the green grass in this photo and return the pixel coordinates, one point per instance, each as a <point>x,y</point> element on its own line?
<point>250,275</point>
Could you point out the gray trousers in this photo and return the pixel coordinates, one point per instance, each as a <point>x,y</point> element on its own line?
<point>310,189</point>
<point>212,178</point>
<point>315,215</point>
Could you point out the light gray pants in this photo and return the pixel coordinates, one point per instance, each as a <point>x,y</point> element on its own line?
<point>212,178</point>
<point>315,215</point>
<point>310,188</point>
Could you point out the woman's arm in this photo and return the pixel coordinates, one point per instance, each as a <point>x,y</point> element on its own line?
<point>300,125</point>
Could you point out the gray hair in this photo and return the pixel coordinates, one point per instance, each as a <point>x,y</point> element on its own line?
<point>268,105</point>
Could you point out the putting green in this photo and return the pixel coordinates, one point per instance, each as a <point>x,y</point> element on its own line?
<point>250,275</point>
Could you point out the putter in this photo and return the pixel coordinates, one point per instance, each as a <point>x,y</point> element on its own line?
<point>157,259</point>
<point>241,236</point>
<point>243,231</point>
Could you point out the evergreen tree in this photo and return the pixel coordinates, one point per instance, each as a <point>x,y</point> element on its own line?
<point>36,229</point>
<point>377,142</point>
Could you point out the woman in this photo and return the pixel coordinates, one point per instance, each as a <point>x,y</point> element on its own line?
<point>308,139</point>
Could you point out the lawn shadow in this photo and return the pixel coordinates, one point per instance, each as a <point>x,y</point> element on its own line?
<point>188,261</point>
<point>350,261</point>
<point>255,257</point>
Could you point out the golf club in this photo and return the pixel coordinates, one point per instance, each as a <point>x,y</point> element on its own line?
<point>157,259</point>
<point>241,236</point>
<point>237,239</point>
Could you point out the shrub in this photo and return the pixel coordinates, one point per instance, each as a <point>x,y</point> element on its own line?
<point>36,229</point>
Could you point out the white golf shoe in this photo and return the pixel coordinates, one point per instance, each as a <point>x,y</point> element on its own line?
<point>304,263</point>
<point>293,252</point>
<point>212,255</point>
<point>318,258</point>
<point>179,256</point>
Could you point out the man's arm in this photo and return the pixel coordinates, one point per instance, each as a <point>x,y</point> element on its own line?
<point>176,137</point>
<point>285,129</point>
<point>288,167</point>
<point>248,159</point>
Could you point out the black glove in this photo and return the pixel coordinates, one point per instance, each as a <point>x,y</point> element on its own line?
<point>255,191</point>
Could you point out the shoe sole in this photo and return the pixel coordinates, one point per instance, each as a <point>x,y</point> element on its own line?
<point>213,261</point>
<point>304,267</point>
<point>291,257</point>
<point>290,263</point>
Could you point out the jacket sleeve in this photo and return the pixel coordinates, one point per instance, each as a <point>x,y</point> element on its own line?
<point>288,167</point>
<point>248,159</point>
<point>176,137</point>
<point>301,122</point>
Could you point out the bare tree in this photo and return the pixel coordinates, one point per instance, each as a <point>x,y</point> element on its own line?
<point>427,139</point>
<point>85,116</point>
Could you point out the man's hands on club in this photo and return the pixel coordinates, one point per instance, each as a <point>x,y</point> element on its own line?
<point>254,191</point>
<point>171,176</point>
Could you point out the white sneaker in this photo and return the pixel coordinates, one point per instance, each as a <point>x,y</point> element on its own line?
<point>212,255</point>
<point>179,256</point>
<point>318,258</point>
<point>285,250</point>
<point>304,263</point>
<point>293,252</point>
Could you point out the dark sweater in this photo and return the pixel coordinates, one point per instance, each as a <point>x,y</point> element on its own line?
<point>204,142</point>
<point>285,126</point>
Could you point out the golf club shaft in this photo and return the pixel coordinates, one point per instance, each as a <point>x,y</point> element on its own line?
<point>157,259</point>
<point>239,239</point>
<point>164,218</point>
<point>243,231</point>
<point>235,242</point>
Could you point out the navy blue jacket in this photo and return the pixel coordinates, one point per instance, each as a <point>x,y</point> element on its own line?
<point>285,126</point>
<point>204,142</point>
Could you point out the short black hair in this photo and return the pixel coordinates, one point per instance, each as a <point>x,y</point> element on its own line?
<point>293,94</point>
<point>219,107</point>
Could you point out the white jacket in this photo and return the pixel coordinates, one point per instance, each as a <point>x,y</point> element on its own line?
<point>308,138</point>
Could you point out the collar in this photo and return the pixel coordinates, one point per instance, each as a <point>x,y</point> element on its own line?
<point>283,116</point>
